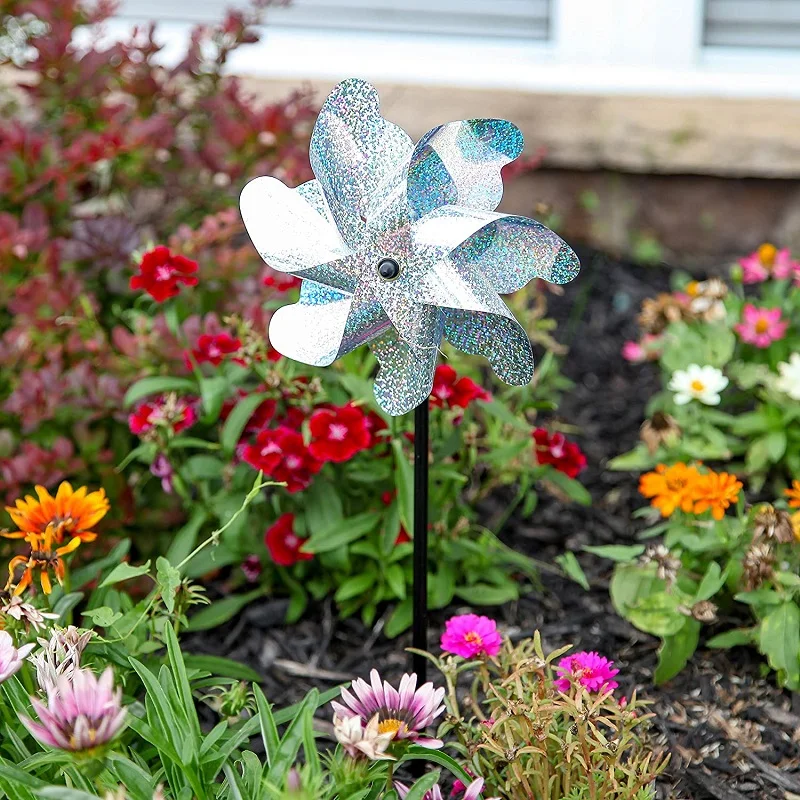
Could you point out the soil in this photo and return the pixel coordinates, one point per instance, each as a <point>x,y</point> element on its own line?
<point>732,732</point>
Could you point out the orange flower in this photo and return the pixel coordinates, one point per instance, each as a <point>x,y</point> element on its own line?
<point>796,525</point>
<point>43,558</point>
<point>68,513</point>
<point>670,487</point>
<point>716,491</point>
<point>794,494</point>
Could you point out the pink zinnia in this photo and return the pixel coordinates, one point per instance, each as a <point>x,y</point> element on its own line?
<point>82,712</point>
<point>469,635</point>
<point>590,670</point>
<point>768,262</point>
<point>761,326</point>
<point>403,712</point>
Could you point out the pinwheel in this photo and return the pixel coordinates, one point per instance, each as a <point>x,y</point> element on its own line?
<point>398,247</point>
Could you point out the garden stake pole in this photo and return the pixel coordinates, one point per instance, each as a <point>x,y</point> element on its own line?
<point>420,588</point>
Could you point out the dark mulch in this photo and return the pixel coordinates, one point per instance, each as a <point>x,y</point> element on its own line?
<point>733,734</point>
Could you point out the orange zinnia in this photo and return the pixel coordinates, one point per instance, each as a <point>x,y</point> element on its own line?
<point>43,557</point>
<point>670,487</point>
<point>717,491</point>
<point>69,514</point>
<point>794,494</point>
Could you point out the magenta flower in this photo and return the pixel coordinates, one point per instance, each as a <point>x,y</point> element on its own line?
<point>761,326</point>
<point>590,670</point>
<point>11,658</point>
<point>768,262</point>
<point>469,636</point>
<point>82,712</point>
<point>404,713</point>
<point>472,792</point>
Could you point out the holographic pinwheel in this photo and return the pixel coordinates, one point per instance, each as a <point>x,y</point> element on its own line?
<point>399,246</point>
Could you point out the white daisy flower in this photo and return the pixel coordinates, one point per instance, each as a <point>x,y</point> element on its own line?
<point>697,383</point>
<point>789,381</point>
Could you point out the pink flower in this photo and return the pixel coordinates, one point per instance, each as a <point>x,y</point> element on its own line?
<point>471,792</point>
<point>11,658</point>
<point>644,350</point>
<point>403,712</point>
<point>768,262</point>
<point>590,670</point>
<point>761,326</point>
<point>82,712</point>
<point>469,635</point>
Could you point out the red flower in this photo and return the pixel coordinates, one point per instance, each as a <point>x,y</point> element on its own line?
<point>282,454</point>
<point>284,544</point>
<point>280,281</point>
<point>375,424</point>
<point>554,449</point>
<point>452,392</point>
<point>161,271</point>
<point>213,349</point>
<point>338,433</point>
<point>175,412</point>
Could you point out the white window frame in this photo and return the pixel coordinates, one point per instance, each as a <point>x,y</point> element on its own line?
<point>596,47</point>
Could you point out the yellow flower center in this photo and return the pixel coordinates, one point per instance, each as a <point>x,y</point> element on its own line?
<point>473,638</point>
<point>766,254</point>
<point>692,288</point>
<point>390,726</point>
<point>697,386</point>
<point>762,326</point>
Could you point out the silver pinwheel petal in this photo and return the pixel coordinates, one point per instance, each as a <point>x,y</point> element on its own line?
<point>400,246</point>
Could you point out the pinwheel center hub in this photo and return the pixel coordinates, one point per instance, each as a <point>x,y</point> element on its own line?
<point>388,269</point>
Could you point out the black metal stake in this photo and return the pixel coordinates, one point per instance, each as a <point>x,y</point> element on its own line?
<point>420,589</point>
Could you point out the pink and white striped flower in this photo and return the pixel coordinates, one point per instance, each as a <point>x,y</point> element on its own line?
<point>82,712</point>
<point>472,792</point>
<point>405,713</point>
<point>11,658</point>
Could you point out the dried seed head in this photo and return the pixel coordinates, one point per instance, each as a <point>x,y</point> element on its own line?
<point>704,611</point>
<point>770,523</point>
<point>660,429</point>
<point>659,312</point>
<point>758,565</point>
<point>667,565</point>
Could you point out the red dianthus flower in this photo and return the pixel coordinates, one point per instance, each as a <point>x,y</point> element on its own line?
<point>161,271</point>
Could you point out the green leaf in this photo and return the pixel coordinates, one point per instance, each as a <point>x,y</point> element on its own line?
<point>734,638</point>
<point>237,419</point>
<point>658,615</point>
<point>84,575</point>
<point>422,786</point>
<point>222,610</point>
<point>712,582</point>
<point>616,552</point>
<point>355,586</point>
<point>630,583</point>
<point>103,617</point>
<point>502,412</point>
<point>346,531</point>
<point>676,650</point>
<point>404,481</point>
<point>203,467</point>
<point>399,620</point>
<point>634,460</point>
<point>158,384</point>
<point>779,641</point>
<point>575,490</point>
<point>169,579</point>
<point>212,394</point>
<point>124,572</point>
<point>569,563</point>
<point>485,594</point>
<point>417,753</point>
<point>776,445</point>
<point>222,667</point>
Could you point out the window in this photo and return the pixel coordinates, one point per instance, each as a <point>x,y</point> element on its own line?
<point>518,19</point>
<point>752,23</point>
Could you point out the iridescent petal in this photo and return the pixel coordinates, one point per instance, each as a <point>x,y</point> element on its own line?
<point>511,251</point>
<point>405,376</point>
<point>293,230</point>
<point>311,330</point>
<point>459,164</point>
<point>357,156</point>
